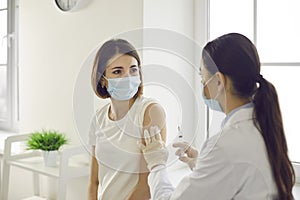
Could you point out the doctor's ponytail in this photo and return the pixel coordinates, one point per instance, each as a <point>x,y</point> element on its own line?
<point>235,56</point>
<point>269,121</point>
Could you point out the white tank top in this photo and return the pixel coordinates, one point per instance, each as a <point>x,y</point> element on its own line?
<point>116,149</point>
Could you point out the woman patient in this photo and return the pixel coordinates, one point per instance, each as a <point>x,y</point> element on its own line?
<point>118,169</point>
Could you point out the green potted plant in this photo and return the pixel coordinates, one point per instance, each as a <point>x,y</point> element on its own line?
<point>49,141</point>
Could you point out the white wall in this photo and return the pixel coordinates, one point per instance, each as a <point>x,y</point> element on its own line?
<point>171,59</point>
<point>170,56</point>
<point>53,45</point>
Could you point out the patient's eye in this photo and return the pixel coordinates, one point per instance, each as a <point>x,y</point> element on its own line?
<point>133,69</point>
<point>116,71</point>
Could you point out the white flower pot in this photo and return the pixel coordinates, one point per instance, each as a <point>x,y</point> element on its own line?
<point>50,158</point>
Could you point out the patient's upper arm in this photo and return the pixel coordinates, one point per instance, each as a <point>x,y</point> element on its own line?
<point>155,116</point>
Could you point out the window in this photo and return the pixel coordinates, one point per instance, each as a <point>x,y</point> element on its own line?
<point>8,64</point>
<point>273,27</point>
<point>223,17</point>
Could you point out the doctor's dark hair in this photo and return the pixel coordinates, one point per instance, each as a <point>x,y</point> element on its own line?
<point>235,56</point>
<point>107,51</point>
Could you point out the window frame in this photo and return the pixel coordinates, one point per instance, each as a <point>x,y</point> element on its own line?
<point>11,123</point>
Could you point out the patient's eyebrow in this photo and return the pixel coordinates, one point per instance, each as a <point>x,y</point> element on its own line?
<point>117,67</point>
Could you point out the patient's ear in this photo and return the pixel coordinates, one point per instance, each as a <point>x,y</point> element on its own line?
<point>103,82</point>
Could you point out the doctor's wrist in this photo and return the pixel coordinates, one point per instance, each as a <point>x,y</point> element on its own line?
<point>158,167</point>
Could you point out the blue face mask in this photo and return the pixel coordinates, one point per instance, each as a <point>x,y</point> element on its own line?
<point>211,103</point>
<point>123,88</point>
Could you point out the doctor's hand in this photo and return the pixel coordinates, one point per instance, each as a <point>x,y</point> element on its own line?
<point>154,150</point>
<point>190,156</point>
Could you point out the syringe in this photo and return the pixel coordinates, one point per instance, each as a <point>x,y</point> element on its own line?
<point>180,139</point>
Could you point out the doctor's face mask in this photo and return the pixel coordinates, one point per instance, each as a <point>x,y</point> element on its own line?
<point>212,103</point>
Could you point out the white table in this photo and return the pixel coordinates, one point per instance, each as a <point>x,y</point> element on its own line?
<point>73,164</point>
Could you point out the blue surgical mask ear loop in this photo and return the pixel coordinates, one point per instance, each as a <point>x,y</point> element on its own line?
<point>102,76</point>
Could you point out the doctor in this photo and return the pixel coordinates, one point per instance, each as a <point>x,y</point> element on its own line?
<point>248,158</point>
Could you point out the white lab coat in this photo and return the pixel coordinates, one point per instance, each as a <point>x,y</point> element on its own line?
<point>232,165</point>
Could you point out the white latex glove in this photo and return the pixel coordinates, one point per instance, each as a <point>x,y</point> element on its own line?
<point>155,151</point>
<point>190,156</point>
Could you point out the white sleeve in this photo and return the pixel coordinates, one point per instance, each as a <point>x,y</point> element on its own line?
<point>214,178</point>
<point>160,185</point>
